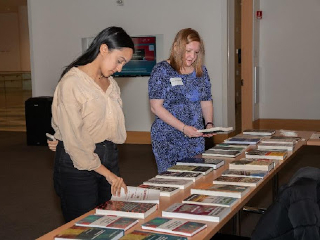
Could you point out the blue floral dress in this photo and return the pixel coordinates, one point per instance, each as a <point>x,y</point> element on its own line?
<point>183,102</point>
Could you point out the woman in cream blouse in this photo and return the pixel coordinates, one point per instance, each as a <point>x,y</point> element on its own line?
<point>88,121</point>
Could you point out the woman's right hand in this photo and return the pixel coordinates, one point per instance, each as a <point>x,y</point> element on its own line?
<point>52,145</point>
<point>116,184</point>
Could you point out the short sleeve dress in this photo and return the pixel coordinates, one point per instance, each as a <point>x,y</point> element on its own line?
<point>182,100</point>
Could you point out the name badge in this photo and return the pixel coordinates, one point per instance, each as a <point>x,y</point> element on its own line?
<point>176,81</point>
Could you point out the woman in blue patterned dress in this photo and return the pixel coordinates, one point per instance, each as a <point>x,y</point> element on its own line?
<point>180,97</point>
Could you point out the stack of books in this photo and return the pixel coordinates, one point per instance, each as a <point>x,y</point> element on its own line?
<point>239,181</point>
<point>190,168</point>
<point>164,191</point>
<point>208,200</point>
<point>276,146</point>
<point>259,132</point>
<point>222,190</point>
<point>163,182</point>
<point>253,164</point>
<point>204,162</point>
<point>267,154</point>
<point>222,153</point>
<point>194,176</point>
<point>243,140</point>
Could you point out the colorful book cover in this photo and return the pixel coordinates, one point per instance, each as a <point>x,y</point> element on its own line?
<point>164,191</point>
<point>222,153</point>
<point>252,164</point>
<point>244,173</point>
<point>196,212</point>
<point>267,154</point>
<point>222,190</point>
<point>126,209</point>
<point>88,233</point>
<point>176,226</point>
<point>180,175</point>
<point>210,200</point>
<point>143,235</point>
<point>107,221</point>
<point>245,181</point>
<point>243,140</point>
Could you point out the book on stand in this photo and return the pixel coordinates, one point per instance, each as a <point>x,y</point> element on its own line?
<point>276,146</point>
<point>137,194</point>
<point>174,225</point>
<point>259,132</point>
<point>126,209</point>
<point>190,168</point>
<point>194,176</point>
<point>267,154</point>
<point>89,233</point>
<point>222,190</point>
<point>208,200</point>
<point>164,191</point>
<point>179,183</point>
<point>243,139</point>
<point>144,235</point>
<point>244,173</point>
<point>241,181</point>
<point>196,212</point>
<point>252,164</point>
<point>205,162</point>
<point>107,221</point>
<point>216,130</point>
<point>222,153</point>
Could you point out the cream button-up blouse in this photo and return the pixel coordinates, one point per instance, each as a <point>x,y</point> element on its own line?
<point>83,115</point>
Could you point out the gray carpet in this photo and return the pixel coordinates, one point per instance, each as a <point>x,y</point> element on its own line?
<point>30,208</point>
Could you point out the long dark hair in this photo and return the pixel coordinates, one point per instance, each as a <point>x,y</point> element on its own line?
<point>113,37</point>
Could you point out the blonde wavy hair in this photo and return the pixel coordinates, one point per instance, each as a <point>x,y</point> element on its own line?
<point>178,49</point>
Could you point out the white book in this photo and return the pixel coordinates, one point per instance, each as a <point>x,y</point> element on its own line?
<point>276,146</point>
<point>241,181</point>
<point>280,139</point>
<point>137,194</point>
<point>179,183</point>
<point>260,132</point>
<point>196,212</point>
<point>205,162</point>
<point>222,153</point>
<point>194,176</point>
<point>164,191</point>
<point>174,225</point>
<point>208,200</point>
<point>222,190</point>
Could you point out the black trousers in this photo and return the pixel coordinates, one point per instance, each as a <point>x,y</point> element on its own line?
<point>80,190</point>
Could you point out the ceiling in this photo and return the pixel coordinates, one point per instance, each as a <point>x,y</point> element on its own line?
<point>11,5</point>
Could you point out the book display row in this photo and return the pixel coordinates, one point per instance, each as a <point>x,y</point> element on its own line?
<point>212,202</point>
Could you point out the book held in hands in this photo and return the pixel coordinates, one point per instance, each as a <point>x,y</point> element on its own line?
<point>137,194</point>
<point>126,209</point>
<point>196,212</point>
<point>208,200</point>
<point>222,190</point>
<point>205,162</point>
<point>174,225</point>
<point>89,233</point>
<point>164,191</point>
<point>107,221</point>
<point>216,130</point>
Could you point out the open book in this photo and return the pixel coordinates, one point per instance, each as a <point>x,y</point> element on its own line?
<point>216,130</point>
<point>138,194</point>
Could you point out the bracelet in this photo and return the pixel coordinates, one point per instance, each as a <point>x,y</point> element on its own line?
<point>209,123</point>
<point>183,130</point>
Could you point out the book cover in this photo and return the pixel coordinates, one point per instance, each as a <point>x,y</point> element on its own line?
<point>243,140</point>
<point>244,173</point>
<point>227,148</point>
<point>107,221</point>
<point>216,130</point>
<point>267,154</point>
<point>143,235</point>
<point>180,183</point>
<point>126,209</point>
<point>164,191</point>
<point>196,212</point>
<point>180,175</point>
<point>241,181</point>
<point>222,153</point>
<point>88,233</point>
<point>224,144</point>
<point>222,190</point>
<point>253,164</point>
<point>276,146</point>
<point>210,162</point>
<point>137,194</point>
<point>262,132</point>
<point>190,168</point>
<point>175,226</point>
<point>280,139</point>
<point>211,200</point>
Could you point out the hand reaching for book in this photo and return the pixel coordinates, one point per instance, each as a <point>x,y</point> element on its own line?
<point>116,184</point>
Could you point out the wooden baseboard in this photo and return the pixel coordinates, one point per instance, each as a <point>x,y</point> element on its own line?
<point>288,124</point>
